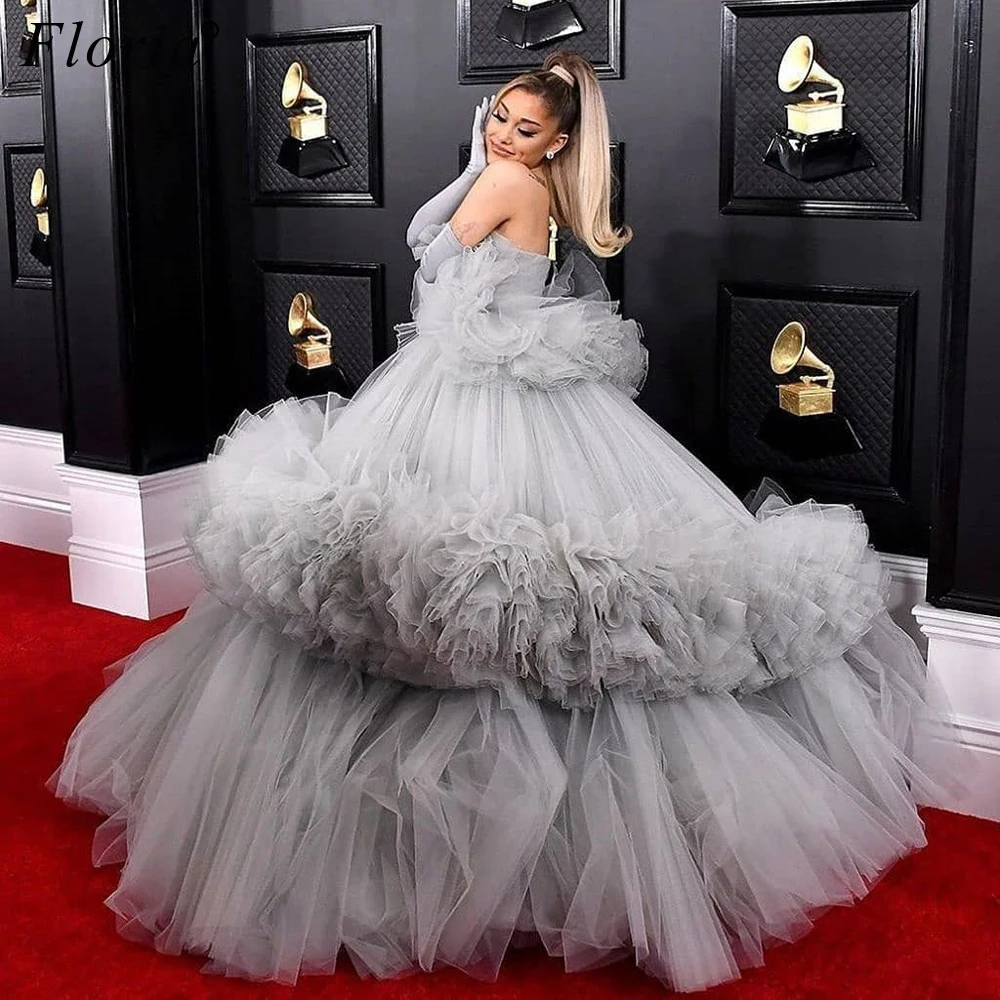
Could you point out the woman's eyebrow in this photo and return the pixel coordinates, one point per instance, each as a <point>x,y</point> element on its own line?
<point>531,121</point>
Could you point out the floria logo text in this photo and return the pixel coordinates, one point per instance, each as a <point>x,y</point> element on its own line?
<point>158,47</point>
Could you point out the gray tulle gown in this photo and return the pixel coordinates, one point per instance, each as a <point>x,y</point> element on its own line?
<point>485,657</point>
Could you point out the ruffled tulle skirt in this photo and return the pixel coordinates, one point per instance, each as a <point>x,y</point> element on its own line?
<point>272,810</point>
<point>477,666</point>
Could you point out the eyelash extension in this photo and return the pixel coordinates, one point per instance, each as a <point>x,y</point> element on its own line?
<point>527,135</point>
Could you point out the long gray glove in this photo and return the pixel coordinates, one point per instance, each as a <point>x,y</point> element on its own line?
<point>446,244</point>
<point>441,207</point>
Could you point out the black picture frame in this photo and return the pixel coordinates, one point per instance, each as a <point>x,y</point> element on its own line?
<point>319,191</point>
<point>20,216</point>
<point>608,65</point>
<point>896,524</point>
<point>373,272</point>
<point>16,79</point>
<point>818,199</point>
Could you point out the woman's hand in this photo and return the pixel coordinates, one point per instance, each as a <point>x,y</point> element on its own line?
<point>440,208</point>
<point>477,159</point>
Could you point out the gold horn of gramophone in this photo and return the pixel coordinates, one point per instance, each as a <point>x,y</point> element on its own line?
<point>39,189</point>
<point>40,199</point>
<point>297,93</point>
<point>799,66</point>
<point>313,338</point>
<point>803,398</point>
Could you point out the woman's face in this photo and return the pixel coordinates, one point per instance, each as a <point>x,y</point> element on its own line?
<point>520,128</point>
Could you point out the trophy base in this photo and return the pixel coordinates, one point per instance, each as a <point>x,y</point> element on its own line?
<point>527,28</point>
<point>28,49</point>
<point>816,157</point>
<point>40,249</point>
<point>303,382</point>
<point>819,436</point>
<point>312,157</point>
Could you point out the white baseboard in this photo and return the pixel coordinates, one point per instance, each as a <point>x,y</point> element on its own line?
<point>909,587</point>
<point>126,551</point>
<point>963,657</point>
<point>34,503</point>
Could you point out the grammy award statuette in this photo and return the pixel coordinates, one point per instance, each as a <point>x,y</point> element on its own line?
<point>803,424</point>
<point>313,371</point>
<point>814,144</point>
<point>40,248</point>
<point>308,150</point>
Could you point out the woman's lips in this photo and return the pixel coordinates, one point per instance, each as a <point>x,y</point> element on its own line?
<point>498,150</point>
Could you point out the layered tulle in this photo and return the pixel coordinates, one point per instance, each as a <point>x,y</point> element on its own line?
<point>499,317</point>
<point>470,558</point>
<point>485,656</point>
<point>275,807</point>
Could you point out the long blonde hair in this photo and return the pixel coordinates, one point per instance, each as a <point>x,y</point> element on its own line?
<point>581,170</point>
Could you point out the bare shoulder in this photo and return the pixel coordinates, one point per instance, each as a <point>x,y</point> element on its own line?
<point>502,192</point>
<point>509,175</point>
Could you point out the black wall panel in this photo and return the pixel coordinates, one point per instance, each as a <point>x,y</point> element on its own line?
<point>965,547</point>
<point>126,157</point>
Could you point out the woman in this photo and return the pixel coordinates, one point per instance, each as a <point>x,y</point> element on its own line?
<point>486,656</point>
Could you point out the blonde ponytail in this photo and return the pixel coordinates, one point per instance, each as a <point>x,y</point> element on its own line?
<point>581,170</point>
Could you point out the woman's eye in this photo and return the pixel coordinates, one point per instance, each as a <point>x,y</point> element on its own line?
<point>527,135</point>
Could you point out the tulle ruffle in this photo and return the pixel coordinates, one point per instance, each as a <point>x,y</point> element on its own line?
<point>273,808</point>
<point>436,584</point>
<point>496,320</point>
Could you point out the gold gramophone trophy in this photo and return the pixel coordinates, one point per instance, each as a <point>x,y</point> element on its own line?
<point>29,46</point>
<point>823,433</point>
<point>530,23</point>
<point>40,248</point>
<point>814,144</point>
<point>804,398</point>
<point>308,150</point>
<point>313,371</point>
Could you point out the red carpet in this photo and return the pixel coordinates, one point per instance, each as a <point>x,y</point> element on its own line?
<point>929,929</point>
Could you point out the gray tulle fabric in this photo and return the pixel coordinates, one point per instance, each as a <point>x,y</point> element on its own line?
<point>484,658</point>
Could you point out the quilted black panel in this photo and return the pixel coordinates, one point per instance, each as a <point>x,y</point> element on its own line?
<point>20,164</point>
<point>869,51</point>
<point>16,77</point>
<point>611,268</point>
<point>484,56</point>
<point>340,67</point>
<point>860,340</point>
<point>343,301</point>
